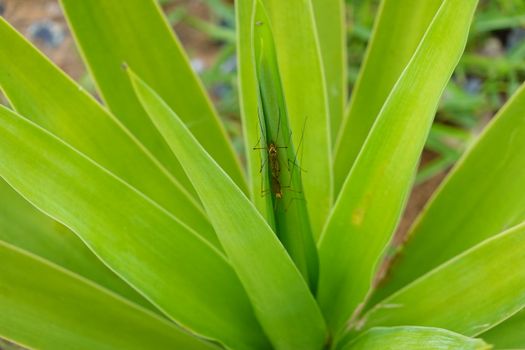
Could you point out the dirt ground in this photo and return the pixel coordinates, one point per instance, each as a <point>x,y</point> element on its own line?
<point>42,22</point>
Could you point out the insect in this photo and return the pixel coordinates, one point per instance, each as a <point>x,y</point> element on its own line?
<point>272,150</point>
<point>273,162</point>
<point>275,168</point>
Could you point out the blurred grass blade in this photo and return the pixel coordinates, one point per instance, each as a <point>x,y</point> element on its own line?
<point>26,228</point>
<point>55,309</point>
<point>41,92</point>
<point>450,223</point>
<point>110,33</point>
<point>510,334</point>
<point>282,174</point>
<point>167,262</point>
<point>374,194</point>
<point>283,304</point>
<point>300,65</point>
<point>468,294</point>
<point>213,31</point>
<point>414,338</point>
<point>331,31</point>
<point>399,27</point>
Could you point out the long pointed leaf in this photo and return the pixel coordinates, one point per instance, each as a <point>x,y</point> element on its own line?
<point>41,92</point>
<point>135,31</point>
<point>283,304</point>
<point>303,82</point>
<point>248,98</point>
<point>281,173</point>
<point>167,262</point>
<point>510,334</point>
<point>331,30</point>
<point>374,194</point>
<point>47,308</point>
<point>414,338</point>
<point>25,227</point>
<point>468,294</point>
<point>399,27</point>
<point>487,183</point>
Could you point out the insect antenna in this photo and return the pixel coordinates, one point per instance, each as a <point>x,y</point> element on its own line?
<point>262,135</point>
<point>278,122</point>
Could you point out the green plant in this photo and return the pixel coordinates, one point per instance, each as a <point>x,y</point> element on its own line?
<point>149,234</point>
<point>485,77</point>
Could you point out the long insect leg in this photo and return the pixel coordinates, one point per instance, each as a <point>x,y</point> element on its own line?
<point>290,202</point>
<point>292,164</point>
<point>257,144</point>
<point>263,163</point>
<point>278,123</point>
<point>290,189</point>
<point>264,191</point>
<point>260,117</point>
<point>300,148</point>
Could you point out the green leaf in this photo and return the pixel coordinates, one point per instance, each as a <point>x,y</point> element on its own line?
<point>374,194</point>
<point>110,33</point>
<point>55,309</point>
<point>41,92</point>
<point>399,28</point>
<point>303,81</point>
<point>248,99</point>
<point>281,170</point>
<point>283,304</point>
<point>487,183</point>
<point>25,227</point>
<point>174,268</point>
<point>469,294</point>
<point>331,31</point>
<point>414,338</point>
<point>509,334</point>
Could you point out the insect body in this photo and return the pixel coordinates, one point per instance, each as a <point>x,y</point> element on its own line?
<point>273,158</point>
<point>275,166</point>
<point>276,188</point>
<point>273,162</point>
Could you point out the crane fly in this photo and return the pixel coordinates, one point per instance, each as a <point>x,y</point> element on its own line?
<point>272,152</point>
<point>273,162</point>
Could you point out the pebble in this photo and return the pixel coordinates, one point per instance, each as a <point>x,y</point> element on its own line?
<point>47,32</point>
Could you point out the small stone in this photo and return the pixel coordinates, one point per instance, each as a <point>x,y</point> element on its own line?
<point>48,33</point>
<point>198,65</point>
<point>492,47</point>
<point>473,86</point>
<point>516,36</point>
<point>230,65</point>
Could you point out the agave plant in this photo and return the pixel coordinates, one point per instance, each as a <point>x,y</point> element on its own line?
<point>131,224</point>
